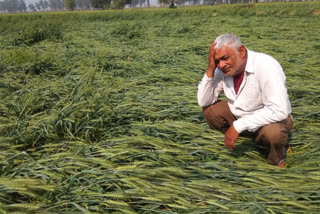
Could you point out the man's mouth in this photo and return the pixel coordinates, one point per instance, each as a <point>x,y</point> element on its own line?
<point>226,70</point>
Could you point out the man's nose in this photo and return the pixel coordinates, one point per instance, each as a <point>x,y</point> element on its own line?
<point>220,65</point>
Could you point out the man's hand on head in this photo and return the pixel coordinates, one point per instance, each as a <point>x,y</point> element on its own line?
<point>230,137</point>
<point>211,63</point>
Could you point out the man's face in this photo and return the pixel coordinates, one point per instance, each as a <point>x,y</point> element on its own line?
<point>230,61</point>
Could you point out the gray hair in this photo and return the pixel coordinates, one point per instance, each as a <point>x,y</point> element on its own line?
<point>229,40</point>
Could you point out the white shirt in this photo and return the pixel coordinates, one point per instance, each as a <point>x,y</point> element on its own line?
<point>262,97</point>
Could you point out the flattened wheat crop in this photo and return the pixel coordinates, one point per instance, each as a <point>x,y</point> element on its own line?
<point>98,112</point>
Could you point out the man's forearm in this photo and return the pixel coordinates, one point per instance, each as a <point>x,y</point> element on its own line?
<point>260,118</point>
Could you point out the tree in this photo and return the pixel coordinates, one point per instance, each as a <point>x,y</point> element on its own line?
<point>118,4</point>
<point>43,4</point>
<point>11,5</point>
<point>134,3</point>
<point>53,4</point>
<point>22,7</point>
<point>38,6</point>
<point>161,2</point>
<point>83,4</point>
<point>69,4</point>
<point>32,7</point>
<point>100,4</point>
<point>2,9</point>
<point>210,2</point>
<point>170,2</point>
<point>46,4</point>
<point>193,2</point>
<point>56,4</point>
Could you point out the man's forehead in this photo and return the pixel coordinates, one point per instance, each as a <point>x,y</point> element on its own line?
<point>225,50</point>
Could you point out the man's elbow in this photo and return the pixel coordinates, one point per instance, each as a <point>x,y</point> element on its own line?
<point>203,102</point>
<point>282,114</point>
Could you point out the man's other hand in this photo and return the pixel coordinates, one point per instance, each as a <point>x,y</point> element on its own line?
<point>230,137</point>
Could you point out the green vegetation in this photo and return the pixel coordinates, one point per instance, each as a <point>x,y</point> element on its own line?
<point>98,112</point>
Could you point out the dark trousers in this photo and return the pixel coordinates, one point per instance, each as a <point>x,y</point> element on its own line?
<point>274,135</point>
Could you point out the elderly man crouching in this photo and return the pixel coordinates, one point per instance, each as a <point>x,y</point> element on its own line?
<point>257,99</point>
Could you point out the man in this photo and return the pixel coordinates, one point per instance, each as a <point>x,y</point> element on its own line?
<point>257,99</point>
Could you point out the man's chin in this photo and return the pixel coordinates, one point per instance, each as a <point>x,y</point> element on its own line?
<point>228,73</point>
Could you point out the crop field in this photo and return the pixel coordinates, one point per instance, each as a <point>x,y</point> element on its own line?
<point>98,112</point>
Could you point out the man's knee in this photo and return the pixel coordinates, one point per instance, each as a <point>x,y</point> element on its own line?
<point>216,110</point>
<point>274,133</point>
<point>218,115</point>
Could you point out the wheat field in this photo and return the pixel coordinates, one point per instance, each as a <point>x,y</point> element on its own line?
<point>99,114</point>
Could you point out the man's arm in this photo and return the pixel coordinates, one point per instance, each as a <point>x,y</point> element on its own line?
<point>210,86</point>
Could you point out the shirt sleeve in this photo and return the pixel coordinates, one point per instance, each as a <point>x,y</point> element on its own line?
<point>209,89</point>
<point>275,99</point>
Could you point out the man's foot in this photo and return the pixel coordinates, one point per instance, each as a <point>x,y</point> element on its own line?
<point>282,163</point>
<point>286,150</point>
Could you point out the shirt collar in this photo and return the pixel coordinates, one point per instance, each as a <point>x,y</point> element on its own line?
<point>249,67</point>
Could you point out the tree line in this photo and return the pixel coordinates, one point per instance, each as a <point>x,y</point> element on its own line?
<point>55,5</point>
<point>13,6</point>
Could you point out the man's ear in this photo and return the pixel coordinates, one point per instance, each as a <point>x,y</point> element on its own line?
<point>242,51</point>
